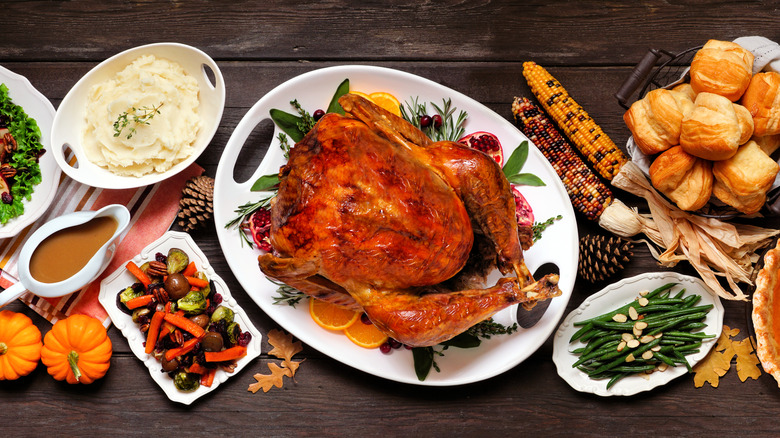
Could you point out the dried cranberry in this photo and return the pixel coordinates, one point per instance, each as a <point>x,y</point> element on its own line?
<point>217,298</point>
<point>244,339</point>
<point>318,114</point>
<point>160,257</point>
<point>6,198</point>
<point>437,121</point>
<point>425,121</point>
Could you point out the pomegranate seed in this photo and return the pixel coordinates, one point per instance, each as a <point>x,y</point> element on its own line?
<point>425,121</point>
<point>318,114</point>
<point>437,121</point>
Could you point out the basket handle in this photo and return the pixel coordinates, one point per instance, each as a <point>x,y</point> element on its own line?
<point>637,76</point>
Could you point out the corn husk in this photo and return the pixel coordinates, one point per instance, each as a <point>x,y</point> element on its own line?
<point>713,247</point>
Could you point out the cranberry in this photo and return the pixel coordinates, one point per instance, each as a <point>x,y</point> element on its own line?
<point>7,198</point>
<point>244,338</point>
<point>385,348</point>
<point>365,320</point>
<point>437,121</point>
<point>394,344</point>
<point>160,257</point>
<point>318,114</point>
<point>425,121</point>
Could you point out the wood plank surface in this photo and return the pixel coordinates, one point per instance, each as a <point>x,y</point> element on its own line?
<point>475,47</point>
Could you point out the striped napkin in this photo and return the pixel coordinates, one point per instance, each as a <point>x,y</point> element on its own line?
<point>152,211</point>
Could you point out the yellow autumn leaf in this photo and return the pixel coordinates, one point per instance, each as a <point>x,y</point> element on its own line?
<point>267,381</point>
<point>747,361</point>
<point>711,368</point>
<point>284,347</point>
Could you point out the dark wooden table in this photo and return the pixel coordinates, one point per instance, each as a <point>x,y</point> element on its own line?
<point>476,47</point>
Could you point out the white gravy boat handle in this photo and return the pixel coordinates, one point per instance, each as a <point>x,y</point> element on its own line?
<point>12,293</point>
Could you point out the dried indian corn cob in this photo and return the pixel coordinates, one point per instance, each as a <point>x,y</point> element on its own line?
<point>574,121</point>
<point>588,194</point>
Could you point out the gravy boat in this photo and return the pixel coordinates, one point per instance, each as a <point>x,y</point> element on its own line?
<point>94,267</point>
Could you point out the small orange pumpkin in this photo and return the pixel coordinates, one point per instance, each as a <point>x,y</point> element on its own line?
<point>77,349</point>
<point>20,345</point>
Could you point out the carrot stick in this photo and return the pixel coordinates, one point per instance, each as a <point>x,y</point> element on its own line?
<point>185,348</point>
<point>138,273</point>
<point>166,329</point>
<point>185,324</point>
<point>137,302</point>
<point>231,353</point>
<point>190,270</point>
<point>153,332</point>
<point>197,282</point>
<point>197,368</point>
<point>208,379</point>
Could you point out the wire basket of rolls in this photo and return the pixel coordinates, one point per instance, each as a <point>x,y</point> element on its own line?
<point>705,129</point>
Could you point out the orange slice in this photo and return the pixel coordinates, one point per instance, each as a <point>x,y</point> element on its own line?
<point>365,335</point>
<point>331,316</point>
<point>361,94</point>
<point>387,101</point>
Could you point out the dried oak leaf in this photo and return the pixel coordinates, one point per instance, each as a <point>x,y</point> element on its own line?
<point>284,347</point>
<point>267,381</point>
<point>747,361</point>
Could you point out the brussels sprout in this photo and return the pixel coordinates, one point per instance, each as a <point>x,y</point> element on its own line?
<point>193,303</point>
<point>140,312</point>
<point>206,290</point>
<point>233,332</point>
<point>177,260</point>
<point>222,313</point>
<point>128,294</point>
<point>185,381</point>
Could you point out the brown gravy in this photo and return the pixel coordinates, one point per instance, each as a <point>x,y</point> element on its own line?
<point>63,254</point>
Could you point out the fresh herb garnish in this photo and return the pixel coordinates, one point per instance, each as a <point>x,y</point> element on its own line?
<point>451,129</point>
<point>538,227</point>
<point>244,211</point>
<point>137,116</point>
<point>515,164</point>
<point>27,134</point>
<point>284,143</point>
<point>287,294</point>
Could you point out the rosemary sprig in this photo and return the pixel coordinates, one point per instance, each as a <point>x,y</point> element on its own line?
<point>143,118</point>
<point>451,129</point>
<point>287,294</point>
<point>244,211</point>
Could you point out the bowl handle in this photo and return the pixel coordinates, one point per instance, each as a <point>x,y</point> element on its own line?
<point>12,293</point>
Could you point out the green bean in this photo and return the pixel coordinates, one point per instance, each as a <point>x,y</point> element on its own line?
<point>579,333</point>
<point>608,316</point>
<point>601,341</point>
<point>637,352</point>
<point>603,352</point>
<point>614,379</point>
<point>663,358</point>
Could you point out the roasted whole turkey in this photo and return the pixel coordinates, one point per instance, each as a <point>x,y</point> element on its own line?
<point>371,214</point>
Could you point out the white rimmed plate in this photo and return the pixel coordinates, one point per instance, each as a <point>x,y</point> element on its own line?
<point>120,279</point>
<point>37,106</point>
<point>559,244</point>
<point>69,121</point>
<point>613,297</point>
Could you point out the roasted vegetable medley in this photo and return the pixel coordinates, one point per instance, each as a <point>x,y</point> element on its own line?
<point>187,328</point>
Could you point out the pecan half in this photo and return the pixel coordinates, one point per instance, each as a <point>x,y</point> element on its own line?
<point>157,269</point>
<point>160,294</point>
<point>176,337</point>
<point>6,171</point>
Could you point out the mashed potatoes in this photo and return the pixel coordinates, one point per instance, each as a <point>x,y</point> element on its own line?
<point>155,143</point>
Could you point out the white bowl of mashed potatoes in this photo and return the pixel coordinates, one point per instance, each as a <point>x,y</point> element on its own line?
<point>139,117</point>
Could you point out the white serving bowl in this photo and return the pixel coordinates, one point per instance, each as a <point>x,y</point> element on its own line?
<point>69,122</point>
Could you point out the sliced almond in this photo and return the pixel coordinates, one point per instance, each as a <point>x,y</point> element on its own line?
<point>621,346</point>
<point>626,337</point>
<point>658,335</point>
<point>656,348</point>
<point>632,343</point>
<point>644,292</point>
<point>643,301</point>
<point>637,332</point>
<point>647,355</point>
<point>662,366</point>
<point>640,325</point>
<point>619,317</point>
<point>632,313</point>
<point>630,358</point>
<point>646,338</point>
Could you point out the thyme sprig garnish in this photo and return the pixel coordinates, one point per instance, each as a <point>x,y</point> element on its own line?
<point>138,116</point>
<point>307,121</point>
<point>539,227</point>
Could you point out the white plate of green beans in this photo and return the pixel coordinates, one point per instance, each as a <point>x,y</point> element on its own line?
<point>637,334</point>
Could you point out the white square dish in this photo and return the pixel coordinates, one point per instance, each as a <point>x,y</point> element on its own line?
<point>121,278</point>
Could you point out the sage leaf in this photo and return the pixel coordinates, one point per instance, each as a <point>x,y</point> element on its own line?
<point>423,361</point>
<point>265,182</point>
<point>517,160</point>
<point>335,106</point>
<point>463,340</point>
<point>288,123</point>
<point>526,179</point>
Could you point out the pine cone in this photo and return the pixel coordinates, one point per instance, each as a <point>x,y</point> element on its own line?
<point>602,257</point>
<point>196,204</point>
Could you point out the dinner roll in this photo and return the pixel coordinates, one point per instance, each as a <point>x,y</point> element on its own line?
<point>762,99</point>
<point>683,178</point>
<point>743,180</point>
<point>714,128</point>
<point>686,89</point>
<point>768,143</point>
<point>655,120</point>
<point>722,67</point>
